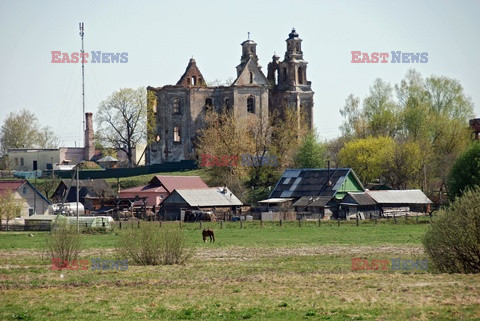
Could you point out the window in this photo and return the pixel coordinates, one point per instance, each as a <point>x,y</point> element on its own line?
<point>300,75</point>
<point>30,211</point>
<point>24,190</point>
<point>208,104</point>
<point>21,162</point>
<point>251,77</point>
<point>194,81</point>
<point>285,73</point>
<point>16,161</point>
<point>176,134</point>
<point>251,105</point>
<point>176,106</point>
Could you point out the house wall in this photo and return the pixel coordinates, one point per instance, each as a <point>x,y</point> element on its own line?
<point>153,199</point>
<point>73,154</point>
<point>349,185</point>
<point>26,196</point>
<point>22,160</point>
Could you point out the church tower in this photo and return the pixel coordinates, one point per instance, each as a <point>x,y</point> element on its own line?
<point>288,78</point>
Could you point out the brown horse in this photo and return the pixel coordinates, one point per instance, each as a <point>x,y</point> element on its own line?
<point>208,233</point>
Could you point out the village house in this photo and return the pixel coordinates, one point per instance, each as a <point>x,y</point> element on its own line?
<point>31,200</point>
<point>316,192</point>
<point>219,200</point>
<point>160,187</point>
<point>93,193</point>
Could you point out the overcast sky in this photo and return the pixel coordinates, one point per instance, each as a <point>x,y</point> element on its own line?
<point>161,36</point>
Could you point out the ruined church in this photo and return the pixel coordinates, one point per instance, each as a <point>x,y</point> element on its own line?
<point>176,112</point>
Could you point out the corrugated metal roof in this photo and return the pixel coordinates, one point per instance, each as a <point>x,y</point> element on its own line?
<point>180,182</point>
<point>145,189</point>
<point>361,199</point>
<point>10,185</point>
<point>276,200</point>
<point>209,197</point>
<point>413,196</point>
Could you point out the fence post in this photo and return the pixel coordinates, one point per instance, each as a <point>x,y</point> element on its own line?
<point>417,218</point>
<point>200,224</point>
<point>241,223</point>
<point>319,221</point>
<point>338,221</point>
<point>160,225</point>
<point>132,225</point>
<point>138,224</point>
<point>180,224</point>
<point>395,218</point>
<point>406,216</point>
<point>120,224</point>
<point>221,224</point>
<point>86,226</point>
<point>281,223</point>
<point>299,223</point>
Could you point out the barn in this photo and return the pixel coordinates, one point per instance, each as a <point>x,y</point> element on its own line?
<point>220,200</point>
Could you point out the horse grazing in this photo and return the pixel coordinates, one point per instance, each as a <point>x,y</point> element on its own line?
<point>208,233</point>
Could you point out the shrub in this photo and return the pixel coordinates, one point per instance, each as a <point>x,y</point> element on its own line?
<point>152,245</point>
<point>465,172</point>
<point>64,242</point>
<point>452,242</point>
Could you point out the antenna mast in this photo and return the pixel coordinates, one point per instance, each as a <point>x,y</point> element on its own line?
<point>83,80</point>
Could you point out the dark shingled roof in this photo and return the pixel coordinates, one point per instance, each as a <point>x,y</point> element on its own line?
<point>310,182</point>
<point>313,201</point>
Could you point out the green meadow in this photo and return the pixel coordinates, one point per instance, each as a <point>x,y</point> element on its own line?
<point>254,271</point>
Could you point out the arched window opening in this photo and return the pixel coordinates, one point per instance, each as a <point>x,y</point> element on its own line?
<point>251,105</point>
<point>251,77</point>
<point>208,104</point>
<point>176,106</point>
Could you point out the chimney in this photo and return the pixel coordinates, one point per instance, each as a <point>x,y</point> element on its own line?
<point>89,141</point>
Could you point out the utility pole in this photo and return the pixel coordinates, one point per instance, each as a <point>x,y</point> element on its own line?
<point>78,194</point>
<point>83,79</point>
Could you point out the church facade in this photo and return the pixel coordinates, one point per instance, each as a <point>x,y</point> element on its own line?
<point>177,112</point>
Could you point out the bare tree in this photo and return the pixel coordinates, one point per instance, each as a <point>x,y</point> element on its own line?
<point>121,120</point>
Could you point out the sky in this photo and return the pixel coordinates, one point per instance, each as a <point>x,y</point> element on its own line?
<point>161,36</point>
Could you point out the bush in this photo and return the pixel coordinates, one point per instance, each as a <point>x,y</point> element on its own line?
<point>64,242</point>
<point>452,242</point>
<point>152,245</point>
<point>465,172</point>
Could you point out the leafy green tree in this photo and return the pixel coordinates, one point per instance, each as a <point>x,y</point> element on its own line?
<point>432,113</point>
<point>22,130</point>
<point>367,157</point>
<point>312,153</point>
<point>465,172</point>
<point>122,120</point>
<point>403,169</point>
<point>10,208</point>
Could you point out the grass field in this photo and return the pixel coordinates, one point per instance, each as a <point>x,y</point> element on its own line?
<point>256,272</point>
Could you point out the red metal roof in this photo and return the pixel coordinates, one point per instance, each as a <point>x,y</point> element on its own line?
<point>181,182</point>
<point>10,185</point>
<point>145,189</point>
